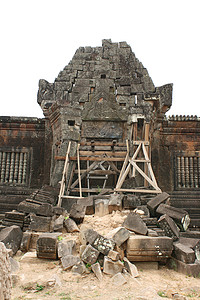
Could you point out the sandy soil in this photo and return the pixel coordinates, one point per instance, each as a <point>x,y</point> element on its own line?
<point>45,279</point>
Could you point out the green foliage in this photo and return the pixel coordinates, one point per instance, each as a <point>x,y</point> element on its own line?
<point>66,217</point>
<point>39,288</point>
<point>60,238</point>
<point>162,294</point>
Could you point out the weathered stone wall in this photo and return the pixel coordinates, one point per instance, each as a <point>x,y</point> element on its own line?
<point>5,274</point>
<point>22,141</point>
<point>176,153</point>
<point>25,153</point>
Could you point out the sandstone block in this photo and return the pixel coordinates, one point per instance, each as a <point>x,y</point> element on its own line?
<point>58,223</point>
<point>114,255</point>
<point>66,248</point>
<point>112,267</point>
<point>90,255</point>
<point>169,226</point>
<point>187,269</point>
<point>145,248</point>
<point>134,223</point>
<point>25,242</point>
<point>40,223</point>
<point>131,201</point>
<point>155,202</point>
<point>101,207</point>
<point>47,245</point>
<point>180,216</point>
<point>11,237</point>
<point>118,279</point>
<point>96,268</point>
<point>79,268</point>
<point>115,202</point>
<point>103,244</point>
<point>70,225</point>
<point>119,235</point>
<point>5,274</point>
<point>131,268</point>
<point>69,261</point>
<point>183,253</point>
<point>77,213</point>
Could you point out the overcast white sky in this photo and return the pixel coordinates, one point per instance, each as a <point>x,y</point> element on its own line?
<point>39,37</point>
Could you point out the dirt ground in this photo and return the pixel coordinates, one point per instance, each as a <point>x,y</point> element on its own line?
<point>45,279</point>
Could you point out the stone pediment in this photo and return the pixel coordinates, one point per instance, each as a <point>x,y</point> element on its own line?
<point>103,107</point>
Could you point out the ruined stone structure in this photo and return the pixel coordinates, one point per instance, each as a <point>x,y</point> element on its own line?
<point>104,97</point>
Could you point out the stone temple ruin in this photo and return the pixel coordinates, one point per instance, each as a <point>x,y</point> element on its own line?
<point>104,132</point>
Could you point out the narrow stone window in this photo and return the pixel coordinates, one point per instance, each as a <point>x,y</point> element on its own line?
<point>103,76</point>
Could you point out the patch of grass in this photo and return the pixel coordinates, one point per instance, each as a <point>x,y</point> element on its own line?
<point>39,287</point>
<point>162,294</point>
<point>60,238</point>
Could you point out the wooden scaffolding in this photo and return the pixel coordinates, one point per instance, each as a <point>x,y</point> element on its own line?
<point>109,163</point>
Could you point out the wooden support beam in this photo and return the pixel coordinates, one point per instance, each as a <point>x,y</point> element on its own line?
<point>84,174</point>
<point>79,174</point>
<point>138,191</point>
<point>98,143</point>
<point>95,158</point>
<point>97,153</point>
<point>92,190</point>
<point>62,186</point>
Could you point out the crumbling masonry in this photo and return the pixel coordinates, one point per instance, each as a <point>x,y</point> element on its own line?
<point>105,104</point>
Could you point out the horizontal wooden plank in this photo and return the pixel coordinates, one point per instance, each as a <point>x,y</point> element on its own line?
<point>95,158</point>
<point>136,143</point>
<point>98,172</point>
<point>99,143</point>
<point>138,191</point>
<point>109,153</point>
<point>86,190</point>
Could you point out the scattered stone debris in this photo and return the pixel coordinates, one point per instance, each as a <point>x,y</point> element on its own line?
<point>144,235</point>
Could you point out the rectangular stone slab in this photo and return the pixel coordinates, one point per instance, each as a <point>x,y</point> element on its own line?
<point>155,202</point>
<point>169,226</point>
<point>145,248</point>
<point>179,215</point>
<point>183,253</point>
<point>181,267</point>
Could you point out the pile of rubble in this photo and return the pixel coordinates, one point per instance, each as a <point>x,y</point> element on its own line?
<point>152,231</point>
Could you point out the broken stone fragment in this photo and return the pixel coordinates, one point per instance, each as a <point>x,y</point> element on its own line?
<point>131,268</point>
<point>11,237</point>
<point>79,268</point>
<point>58,210</point>
<point>39,223</point>
<point>90,255</point>
<point>156,201</point>
<point>66,248</point>
<point>119,235</point>
<point>114,255</point>
<point>96,268</point>
<point>58,223</point>
<point>131,201</point>
<point>112,267</point>
<point>101,207</point>
<point>70,225</point>
<point>68,261</point>
<point>169,226</point>
<point>32,206</point>
<point>25,242</point>
<point>88,202</point>
<point>103,244</point>
<point>88,236</point>
<point>180,216</point>
<point>134,223</point>
<point>77,213</point>
<point>118,279</point>
<point>115,202</point>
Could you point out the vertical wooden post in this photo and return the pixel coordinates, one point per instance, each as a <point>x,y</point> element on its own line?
<point>62,186</point>
<point>79,172</point>
<point>146,138</point>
